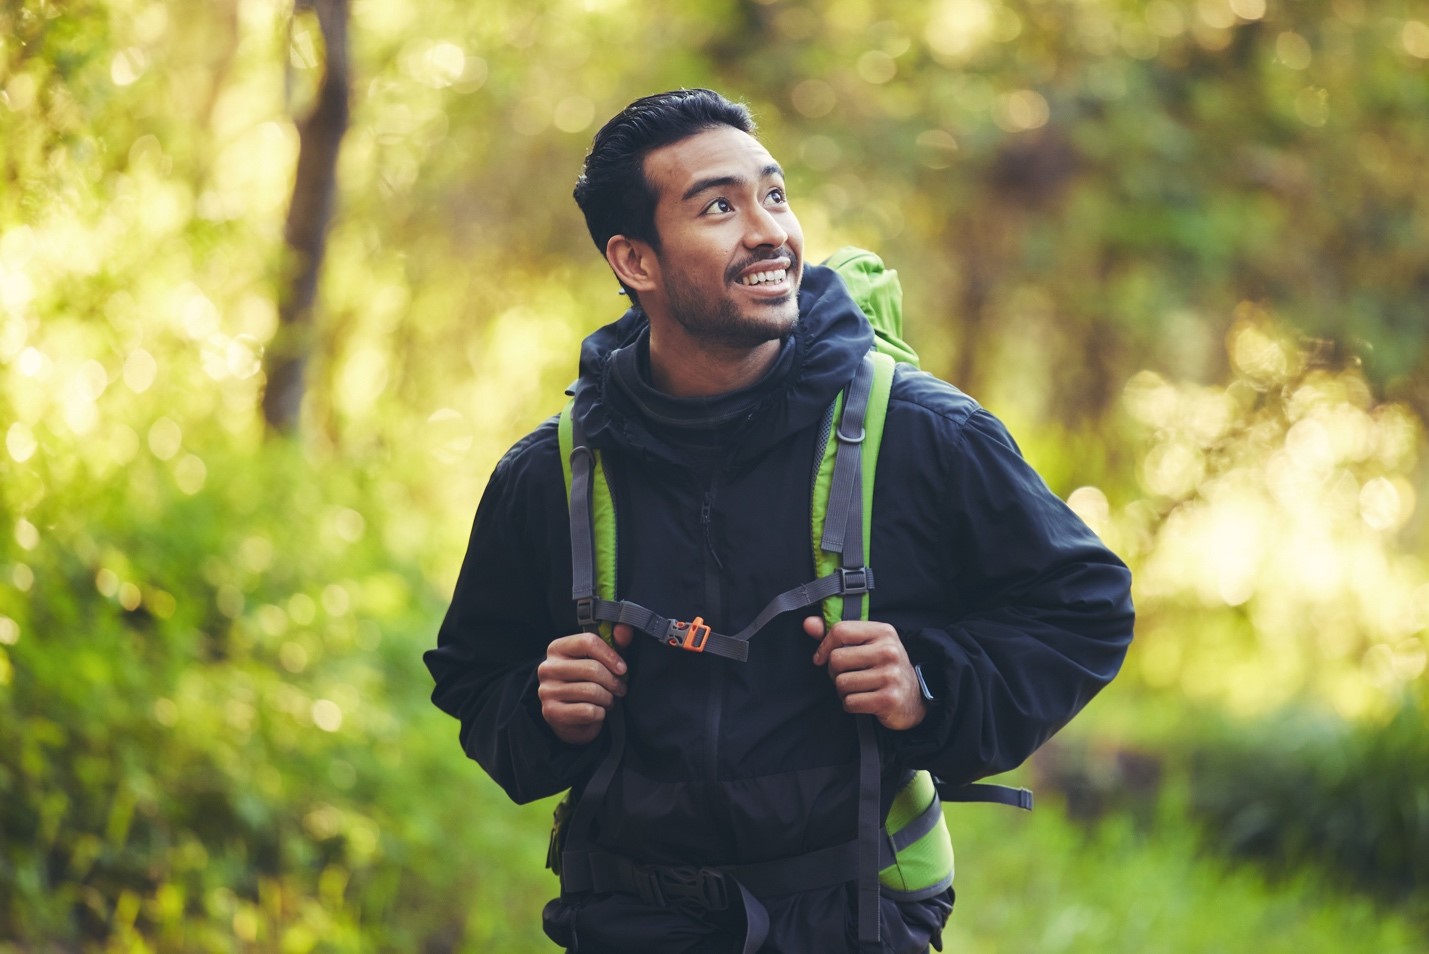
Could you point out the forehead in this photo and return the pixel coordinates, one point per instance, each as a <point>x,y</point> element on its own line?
<point>722,152</point>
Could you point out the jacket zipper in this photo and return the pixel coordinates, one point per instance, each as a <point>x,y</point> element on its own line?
<point>713,604</point>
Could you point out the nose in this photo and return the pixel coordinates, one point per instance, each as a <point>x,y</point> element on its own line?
<point>764,228</point>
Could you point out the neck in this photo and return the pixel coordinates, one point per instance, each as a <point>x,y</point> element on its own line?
<point>680,367</point>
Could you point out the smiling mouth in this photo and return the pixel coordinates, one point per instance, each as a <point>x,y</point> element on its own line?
<point>770,277</point>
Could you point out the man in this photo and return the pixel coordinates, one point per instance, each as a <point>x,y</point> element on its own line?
<point>995,617</point>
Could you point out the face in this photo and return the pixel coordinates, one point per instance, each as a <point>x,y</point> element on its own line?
<point>731,251</point>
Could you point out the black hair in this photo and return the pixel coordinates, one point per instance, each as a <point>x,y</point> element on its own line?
<point>612,190</point>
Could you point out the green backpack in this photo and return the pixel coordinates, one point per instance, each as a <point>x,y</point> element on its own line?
<point>908,855</point>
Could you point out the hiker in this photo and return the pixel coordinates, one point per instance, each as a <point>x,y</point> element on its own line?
<point>759,775</point>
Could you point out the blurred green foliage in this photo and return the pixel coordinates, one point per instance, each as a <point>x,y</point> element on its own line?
<point>1311,790</point>
<point>1182,246</point>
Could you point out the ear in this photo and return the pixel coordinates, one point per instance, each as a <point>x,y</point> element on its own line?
<point>633,262</point>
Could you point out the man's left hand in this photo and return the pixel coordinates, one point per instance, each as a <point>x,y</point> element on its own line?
<point>871,670</point>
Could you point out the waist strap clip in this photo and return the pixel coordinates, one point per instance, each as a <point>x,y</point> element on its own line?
<point>692,635</point>
<point>692,890</point>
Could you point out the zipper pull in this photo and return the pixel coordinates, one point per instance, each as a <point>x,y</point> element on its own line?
<point>705,508</point>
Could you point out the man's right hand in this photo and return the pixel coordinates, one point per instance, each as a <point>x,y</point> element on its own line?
<point>579,681</point>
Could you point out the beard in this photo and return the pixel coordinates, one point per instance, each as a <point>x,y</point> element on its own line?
<point>717,320</point>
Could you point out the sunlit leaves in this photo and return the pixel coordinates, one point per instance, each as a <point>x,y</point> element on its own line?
<point>1282,496</point>
<point>1082,198</point>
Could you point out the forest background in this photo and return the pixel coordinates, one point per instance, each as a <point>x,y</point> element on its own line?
<point>1181,247</point>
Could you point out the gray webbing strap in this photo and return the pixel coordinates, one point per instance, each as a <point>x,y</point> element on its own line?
<point>583,817</point>
<point>582,519</point>
<point>843,533</point>
<point>840,582</point>
<point>845,490</point>
<point>987,792</point>
<point>925,822</point>
<point>870,835</point>
<point>693,636</point>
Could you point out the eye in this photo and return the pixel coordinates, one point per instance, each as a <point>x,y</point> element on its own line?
<point>777,197</point>
<point>719,205</point>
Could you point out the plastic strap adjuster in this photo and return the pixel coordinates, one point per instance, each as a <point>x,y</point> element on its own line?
<point>854,581</point>
<point>585,613</point>
<point>692,635</point>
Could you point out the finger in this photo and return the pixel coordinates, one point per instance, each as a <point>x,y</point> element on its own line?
<point>587,646</point>
<point>863,656</point>
<point>857,632</point>
<point>575,694</point>
<point>866,703</point>
<point>624,635</point>
<point>561,716</point>
<point>860,681</point>
<point>557,670</point>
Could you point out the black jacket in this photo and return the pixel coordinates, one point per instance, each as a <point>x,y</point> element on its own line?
<point>1015,610</point>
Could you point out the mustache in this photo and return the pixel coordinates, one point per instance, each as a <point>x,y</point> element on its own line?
<point>783,251</point>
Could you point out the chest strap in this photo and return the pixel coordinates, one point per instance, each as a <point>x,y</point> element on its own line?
<point>853,579</point>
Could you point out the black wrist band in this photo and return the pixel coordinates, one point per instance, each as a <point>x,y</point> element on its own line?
<point>928,696</point>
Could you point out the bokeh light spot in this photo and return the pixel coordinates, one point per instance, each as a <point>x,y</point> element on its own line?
<point>20,442</point>
<point>327,715</point>
<point>165,438</point>
<point>937,148</point>
<point>877,67</point>
<point>1415,38</point>
<point>1248,9</point>
<point>27,535</point>
<point>814,98</point>
<point>140,369</point>
<point>1292,51</point>
<point>1021,110</point>
<point>1091,505</point>
<point>574,114</point>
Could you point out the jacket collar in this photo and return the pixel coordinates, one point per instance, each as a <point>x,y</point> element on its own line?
<point>617,407</point>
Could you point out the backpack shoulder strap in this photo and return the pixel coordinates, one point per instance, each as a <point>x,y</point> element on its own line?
<point>840,505</point>
<point>592,519</point>
<point>842,497</point>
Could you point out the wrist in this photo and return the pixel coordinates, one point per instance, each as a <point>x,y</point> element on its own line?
<point>929,688</point>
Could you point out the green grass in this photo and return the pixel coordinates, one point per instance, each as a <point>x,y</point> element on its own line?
<point>1040,884</point>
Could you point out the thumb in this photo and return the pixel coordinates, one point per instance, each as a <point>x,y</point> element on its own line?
<point>624,635</point>
<point>814,626</point>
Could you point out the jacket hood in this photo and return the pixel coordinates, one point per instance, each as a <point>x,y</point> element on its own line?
<point>818,360</point>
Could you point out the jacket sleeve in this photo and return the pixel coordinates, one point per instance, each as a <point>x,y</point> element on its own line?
<point>499,624</point>
<point>1040,610</point>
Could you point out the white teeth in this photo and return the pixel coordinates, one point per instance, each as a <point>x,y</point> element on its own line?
<point>763,278</point>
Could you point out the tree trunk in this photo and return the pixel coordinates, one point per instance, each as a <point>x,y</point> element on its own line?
<point>319,136</point>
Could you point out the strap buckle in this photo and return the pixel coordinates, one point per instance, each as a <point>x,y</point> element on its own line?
<point>585,613</point>
<point>696,634</point>
<point>693,890</point>
<point>855,581</point>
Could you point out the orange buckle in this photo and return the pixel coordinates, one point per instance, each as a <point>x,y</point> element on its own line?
<point>696,635</point>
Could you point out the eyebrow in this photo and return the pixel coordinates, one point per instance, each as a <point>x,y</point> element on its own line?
<point>720,182</point>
